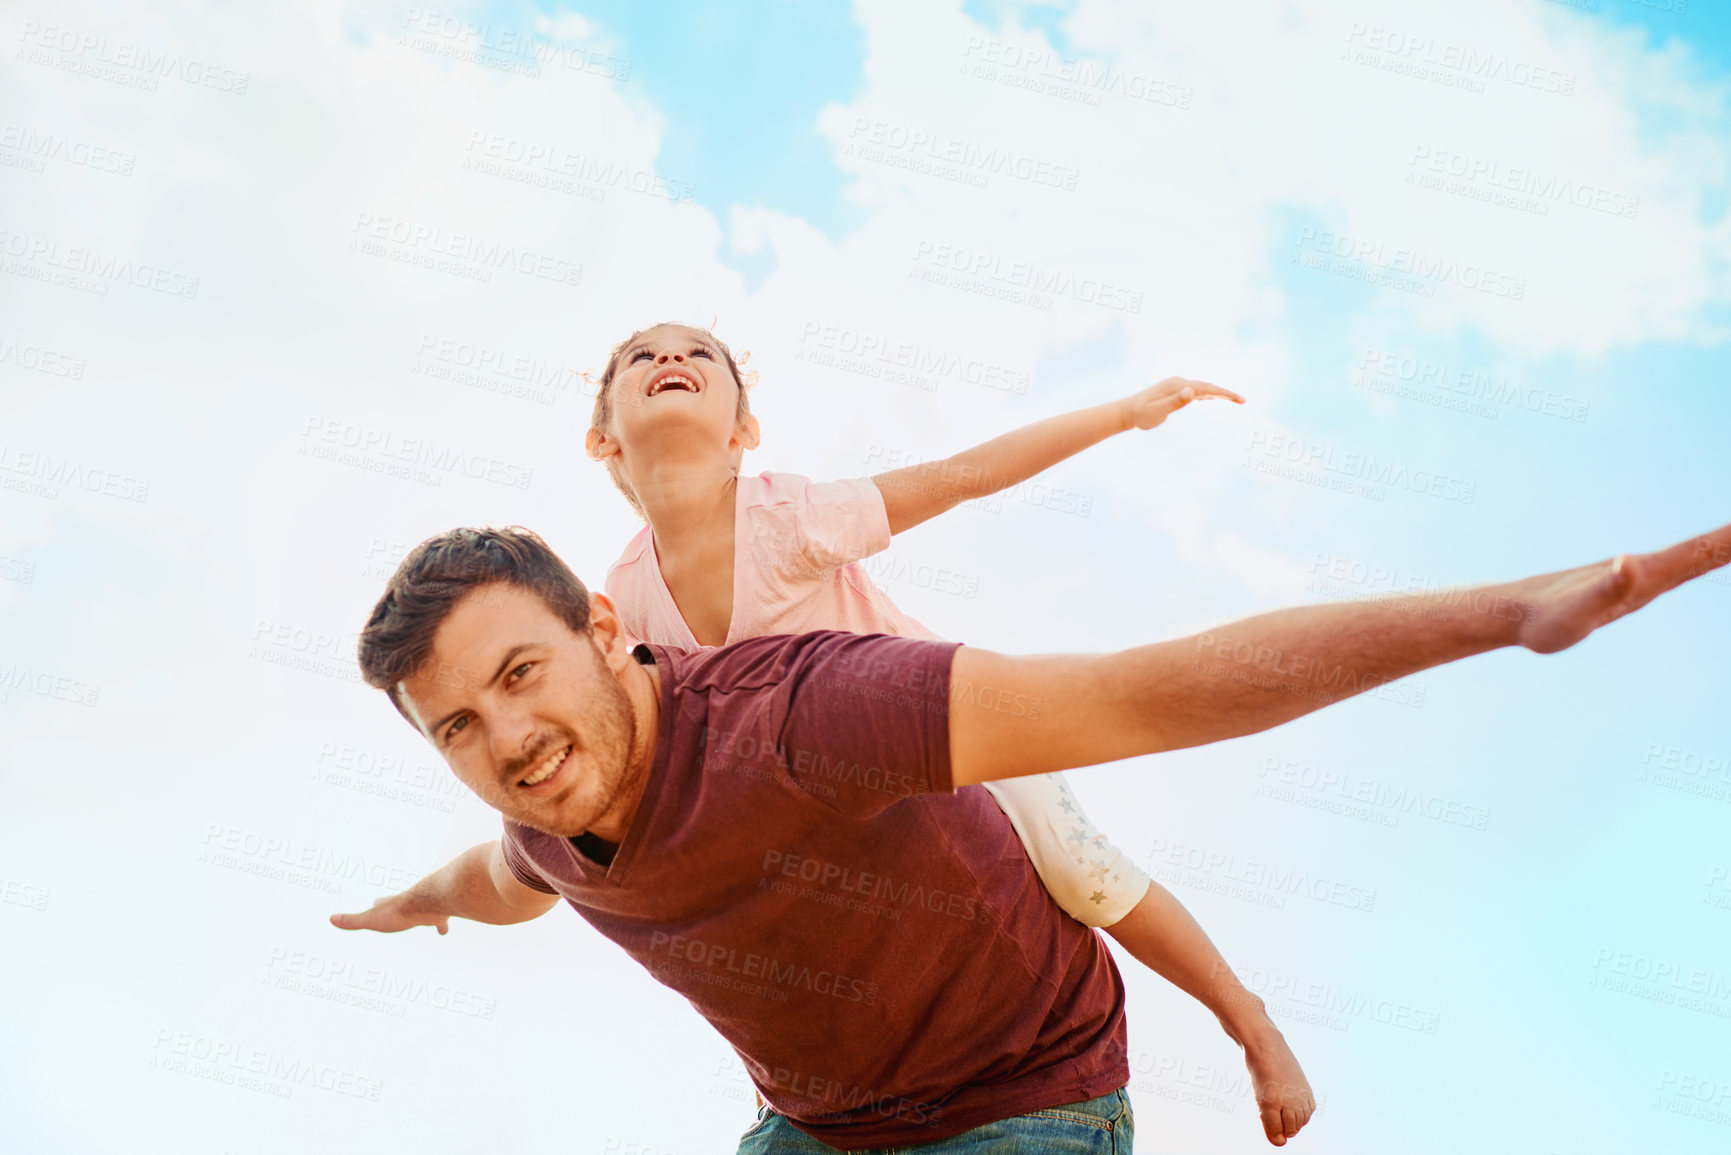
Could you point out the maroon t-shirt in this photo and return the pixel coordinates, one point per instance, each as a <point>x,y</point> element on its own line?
<point>874,944</point>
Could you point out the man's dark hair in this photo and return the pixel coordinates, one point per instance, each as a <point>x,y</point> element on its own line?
<point>439,573</point>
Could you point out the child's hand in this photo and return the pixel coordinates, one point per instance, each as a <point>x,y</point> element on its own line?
<point>1156,403</point>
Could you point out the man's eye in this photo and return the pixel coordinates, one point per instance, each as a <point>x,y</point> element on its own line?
<point>451,732</point>
<point>518,672</point>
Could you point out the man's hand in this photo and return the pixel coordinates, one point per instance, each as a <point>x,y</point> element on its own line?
<point>394,913</point>
<point>1560,609</point>
<point>1156,403</point>
<point>476,885</point>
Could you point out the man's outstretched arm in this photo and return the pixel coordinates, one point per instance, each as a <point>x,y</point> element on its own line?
<point>474,885</point>
<point>1011,716</point>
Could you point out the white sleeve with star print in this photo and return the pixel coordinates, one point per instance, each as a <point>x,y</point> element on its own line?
<point>1095,882</point>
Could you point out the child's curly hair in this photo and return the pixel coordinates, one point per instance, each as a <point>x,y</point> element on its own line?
<point>603,412</point>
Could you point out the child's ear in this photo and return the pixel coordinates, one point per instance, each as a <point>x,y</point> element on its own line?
<point>746,433</point>
<point>600,445</point>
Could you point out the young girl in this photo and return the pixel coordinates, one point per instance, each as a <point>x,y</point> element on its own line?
<point>726,557</point>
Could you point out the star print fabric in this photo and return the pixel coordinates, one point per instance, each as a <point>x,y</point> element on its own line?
<point>1096,883</point>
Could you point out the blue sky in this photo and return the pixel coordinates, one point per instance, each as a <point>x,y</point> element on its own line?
<point>800,225</point>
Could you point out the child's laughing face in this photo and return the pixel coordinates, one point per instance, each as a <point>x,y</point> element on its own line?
<point>672,392</point>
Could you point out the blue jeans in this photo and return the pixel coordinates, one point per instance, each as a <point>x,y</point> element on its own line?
<point>1100,1126</point>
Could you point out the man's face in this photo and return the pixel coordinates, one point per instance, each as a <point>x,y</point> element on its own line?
<point>526,712</point>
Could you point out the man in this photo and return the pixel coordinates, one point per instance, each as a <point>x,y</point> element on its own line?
<point>776,829</point>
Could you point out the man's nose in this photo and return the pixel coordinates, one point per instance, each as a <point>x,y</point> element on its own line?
<point>513,736</point>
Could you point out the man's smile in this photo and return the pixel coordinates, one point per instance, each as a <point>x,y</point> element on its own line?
<point>546,772</point>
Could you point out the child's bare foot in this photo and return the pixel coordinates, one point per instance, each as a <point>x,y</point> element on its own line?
<point>1283,1096</point>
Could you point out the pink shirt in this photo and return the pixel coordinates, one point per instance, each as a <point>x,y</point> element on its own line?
<point>796,567</point>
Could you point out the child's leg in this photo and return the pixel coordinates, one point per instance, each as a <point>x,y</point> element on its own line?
<point>1165,938</point>
<point>1096,884</point>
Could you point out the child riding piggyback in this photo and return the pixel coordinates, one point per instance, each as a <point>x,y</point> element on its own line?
<point>726,557</point>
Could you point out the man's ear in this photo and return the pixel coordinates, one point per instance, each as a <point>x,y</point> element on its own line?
<point>600,445</point>
<point>609,633</point>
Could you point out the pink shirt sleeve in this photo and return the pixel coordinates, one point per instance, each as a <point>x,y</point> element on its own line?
<point>816,526</point>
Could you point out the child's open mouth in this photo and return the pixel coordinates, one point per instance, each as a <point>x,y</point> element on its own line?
<point>673,380</point>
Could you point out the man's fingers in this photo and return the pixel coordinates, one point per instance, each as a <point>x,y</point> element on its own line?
<point>1698,555</point>
<point>372,920</point>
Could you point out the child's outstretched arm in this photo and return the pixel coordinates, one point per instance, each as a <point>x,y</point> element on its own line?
<point>921,492</point>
